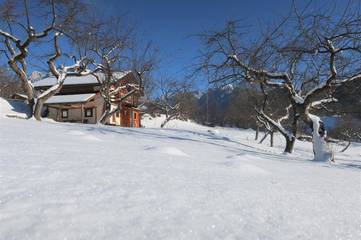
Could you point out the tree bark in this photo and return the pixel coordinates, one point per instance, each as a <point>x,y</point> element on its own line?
<point>104,118</point>
<point>290,143</point>
<point>46,95</point>
<point>106,114</point>
<point>264,137</point>
<point>31,103</point>
<point>257,132</point>
<point>38,107</point>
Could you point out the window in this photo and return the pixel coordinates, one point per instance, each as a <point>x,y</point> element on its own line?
<point>135,116</point>
<point>64,113</point>
<point>88,112</point>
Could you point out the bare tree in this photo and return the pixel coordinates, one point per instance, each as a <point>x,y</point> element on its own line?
<point>321,51</point>
<point>273,107</point>
<point>171,99</point>
<point>111,85</point>
<point>16,49</point>
<point>77,69</point>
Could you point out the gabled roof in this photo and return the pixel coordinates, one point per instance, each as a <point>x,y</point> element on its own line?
<point>82,80</point>
<point>74,98</point>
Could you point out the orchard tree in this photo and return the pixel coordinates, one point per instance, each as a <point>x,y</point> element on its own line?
<point>19,38</point>
<point>307,54</point>
<point>172,98</point>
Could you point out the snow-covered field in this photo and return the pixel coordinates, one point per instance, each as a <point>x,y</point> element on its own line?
<point>73,181</point>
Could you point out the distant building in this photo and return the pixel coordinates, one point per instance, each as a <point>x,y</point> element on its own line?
<point>80,101</point>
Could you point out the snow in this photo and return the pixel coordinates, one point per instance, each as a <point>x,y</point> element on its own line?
<point>77,181</point>
<point>156,122</point>
<point>298,99</point>
<point>321,148</point>
<point>74,80</point>
<point>50,81</point>
<point>74,98</point>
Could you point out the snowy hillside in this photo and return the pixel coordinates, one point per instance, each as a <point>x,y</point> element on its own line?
<point>73,181</point>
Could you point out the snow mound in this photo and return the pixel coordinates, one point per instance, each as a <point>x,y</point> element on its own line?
<point>173,151</point>
<point>13,108</point>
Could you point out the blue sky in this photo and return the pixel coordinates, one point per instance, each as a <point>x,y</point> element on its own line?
<point>170,24</point>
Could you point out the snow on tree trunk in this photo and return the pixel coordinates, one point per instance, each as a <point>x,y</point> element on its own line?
<point>321,149</point>
<point>104,118</point>
<point>108,108</point>
<point>48,94</point>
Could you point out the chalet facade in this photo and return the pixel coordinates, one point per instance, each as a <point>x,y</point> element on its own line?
<point>80,101</point>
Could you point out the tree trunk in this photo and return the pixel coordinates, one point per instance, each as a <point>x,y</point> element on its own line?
<point>167,119</point>
<point>106,114</point>
<point>104,118</point>
<point>271,138</point>
<point>264,137</point>
<point>38,107</point>
<point>31,103</point>
<point>257,132</point>
<point>345,148</point>
<point>290,143</point>
<point>46,95</point>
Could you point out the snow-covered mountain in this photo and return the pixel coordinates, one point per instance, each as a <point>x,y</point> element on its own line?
<point>77,181</point>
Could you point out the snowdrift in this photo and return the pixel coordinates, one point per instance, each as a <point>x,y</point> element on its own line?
<point>77,181</point>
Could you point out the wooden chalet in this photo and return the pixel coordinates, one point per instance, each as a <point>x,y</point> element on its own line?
<point>80,101</point>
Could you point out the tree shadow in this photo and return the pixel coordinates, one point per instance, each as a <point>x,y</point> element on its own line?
<point>18,107</point>
<point>356,165</point>
<point>211,139</point>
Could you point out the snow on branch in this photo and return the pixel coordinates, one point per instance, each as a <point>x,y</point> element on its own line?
<point>322,101</point>
<point>276,125</point>
<point>353,78</point>
<point>271,75</point>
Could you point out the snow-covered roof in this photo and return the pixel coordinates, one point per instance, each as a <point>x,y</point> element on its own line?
<point>74,98</point>
<point>89,79</point>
